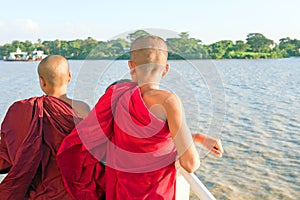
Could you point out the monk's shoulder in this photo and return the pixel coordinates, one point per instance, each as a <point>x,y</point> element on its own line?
<point>81,107</point>
<point>166,96</point>
<point>160,95</point>
<point>170,101</point>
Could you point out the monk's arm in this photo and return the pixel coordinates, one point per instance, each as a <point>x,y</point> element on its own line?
<point>212,144</point>
<point>186,150</point>
<point>5,163</point>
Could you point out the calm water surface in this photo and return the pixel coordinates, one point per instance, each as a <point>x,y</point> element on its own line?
<point>256,102</point>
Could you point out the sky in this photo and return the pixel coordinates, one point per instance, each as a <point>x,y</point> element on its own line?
<point>207,20</point>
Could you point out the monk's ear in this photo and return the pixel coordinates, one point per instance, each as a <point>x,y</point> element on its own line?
<point>42,82</point>
<point>166,70</point>
<point>131,66</point>
<point>69,77</point>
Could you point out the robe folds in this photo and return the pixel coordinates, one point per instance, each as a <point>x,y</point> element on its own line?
<point>31,134</point>
<point>119,151</point>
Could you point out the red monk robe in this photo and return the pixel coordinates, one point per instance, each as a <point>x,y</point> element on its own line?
<point>137,146</point>
<point>31,133</point>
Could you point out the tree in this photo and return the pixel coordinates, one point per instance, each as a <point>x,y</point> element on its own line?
<point>47,47</point>
<point>39,45</point>
<point>240,46</point>
<point>259,43</point>
<point>88,47</point>
<point>137,34</point>
<point>185,47</point>
<point>65,51</point>
<point>289,46</point>
<point>6,49</point>
<point>219,49</point>
<point>29,47</point>
<point>74,47</point>
<point>184,35</point>
<point>120,42</point>
<point>17,44</point>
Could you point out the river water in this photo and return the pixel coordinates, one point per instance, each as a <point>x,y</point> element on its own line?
<point>253,106</point>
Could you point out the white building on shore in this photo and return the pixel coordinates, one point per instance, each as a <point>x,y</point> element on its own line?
<point>18,55</point>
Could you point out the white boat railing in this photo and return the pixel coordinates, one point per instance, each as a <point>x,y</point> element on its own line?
<point>2,176</point>
<point>190,182</point>
<point>184,183</point>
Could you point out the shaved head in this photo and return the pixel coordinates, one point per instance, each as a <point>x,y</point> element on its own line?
<point>55,70</point>
<point>149,49</point>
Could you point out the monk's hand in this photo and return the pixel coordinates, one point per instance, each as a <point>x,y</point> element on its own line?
<point>212,144</point>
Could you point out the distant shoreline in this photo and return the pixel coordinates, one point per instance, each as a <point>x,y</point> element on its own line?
<point>183,47</point>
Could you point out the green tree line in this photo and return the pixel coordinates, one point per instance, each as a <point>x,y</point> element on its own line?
<point>183,47</point>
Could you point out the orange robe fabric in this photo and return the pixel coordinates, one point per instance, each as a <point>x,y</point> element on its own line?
<point>31,134</point>
<point>135,146</point>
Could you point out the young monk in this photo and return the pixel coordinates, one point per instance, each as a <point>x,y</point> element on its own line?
<point>31,133</point>
<point>134,126</point>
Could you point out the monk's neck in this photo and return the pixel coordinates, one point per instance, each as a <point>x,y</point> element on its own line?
<point>60,93</point>
<point>148,86</point>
